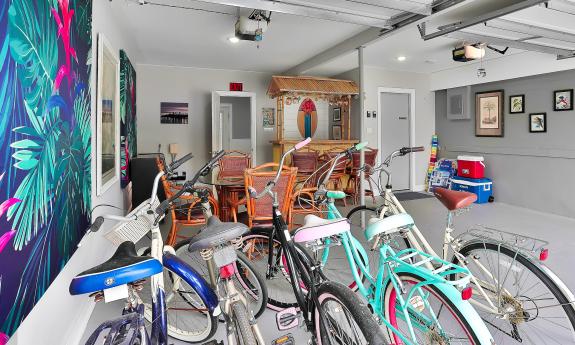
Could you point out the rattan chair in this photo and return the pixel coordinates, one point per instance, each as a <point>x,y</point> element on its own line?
<point>233,165</point>
<point>187,210</point>
<point>352,187</point>
<point>259,211</point>
<point>306,164</point>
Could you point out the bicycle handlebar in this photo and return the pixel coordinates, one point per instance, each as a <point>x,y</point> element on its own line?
<point>270,185</point>
<point>405,150</point>
<point>176,164</point>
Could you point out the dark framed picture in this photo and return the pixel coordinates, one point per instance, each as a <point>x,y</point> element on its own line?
<point>538,123</point>
<point>517,104</point>
<point>489,114</point>
<point>563,100</point>
<point>336,132</point>
<point>336,114</point>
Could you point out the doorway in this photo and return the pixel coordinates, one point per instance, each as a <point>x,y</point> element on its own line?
<point>396,125</point>
<point>234,122</point>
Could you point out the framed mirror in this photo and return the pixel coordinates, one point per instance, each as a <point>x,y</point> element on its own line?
<point>108,116</point>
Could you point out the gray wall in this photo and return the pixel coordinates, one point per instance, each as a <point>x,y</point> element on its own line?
<point>532,170</point>
<point>241,116</point>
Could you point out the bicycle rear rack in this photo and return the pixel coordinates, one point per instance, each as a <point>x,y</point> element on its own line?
<point>526,245</point>
<point>442,269</point>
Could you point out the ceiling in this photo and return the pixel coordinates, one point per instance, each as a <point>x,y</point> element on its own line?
<point>172,35</point>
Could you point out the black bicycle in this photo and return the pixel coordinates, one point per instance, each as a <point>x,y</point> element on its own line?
<point>330,311</point>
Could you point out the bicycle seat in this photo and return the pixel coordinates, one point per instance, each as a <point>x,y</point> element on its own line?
<point>124,267</point>
<point>216,233</point>
<point>387,225</point>
<point>315,228</point>
<point>453,199</point>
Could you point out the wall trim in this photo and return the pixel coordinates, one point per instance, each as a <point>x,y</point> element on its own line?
<point>514,151</point>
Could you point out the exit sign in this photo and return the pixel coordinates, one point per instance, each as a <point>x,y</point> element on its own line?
<point>236,86</point>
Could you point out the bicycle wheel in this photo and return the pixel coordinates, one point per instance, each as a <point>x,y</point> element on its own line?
<point>355,217</point>
<point>255,246</point>
<point>532,307</point>
<point>349,320</point>
<point>247,276</point>
<point>435,318</point>
<point>188,316</point>
<point>242,327</point>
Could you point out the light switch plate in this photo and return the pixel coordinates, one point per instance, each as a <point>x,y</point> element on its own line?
<point>369,114</point>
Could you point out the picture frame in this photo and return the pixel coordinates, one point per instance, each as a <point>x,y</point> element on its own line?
<point>107,116</point>
<point>489,107</point>
<point>517,104</point>
<point>336,114</point>
<point>563,100</point>
<point>174,113</point>
<point>336,132</point>
<point>538,122</point>
<point>268,117</point>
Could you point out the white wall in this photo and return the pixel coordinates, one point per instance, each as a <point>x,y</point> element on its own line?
<point>194,85</point>
<point>424,110</point>
<point>59,318</point>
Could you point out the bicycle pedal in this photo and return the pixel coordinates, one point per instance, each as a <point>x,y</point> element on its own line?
<point>287,319</point>
<point>214,342</point>
<point>284,340</point>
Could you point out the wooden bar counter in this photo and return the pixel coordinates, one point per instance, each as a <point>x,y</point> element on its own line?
<point>320,145</point>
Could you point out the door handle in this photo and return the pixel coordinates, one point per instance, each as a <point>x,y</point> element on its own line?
<point>402,118</point>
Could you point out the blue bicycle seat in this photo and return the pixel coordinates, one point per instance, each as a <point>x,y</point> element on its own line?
<point>124,267</point>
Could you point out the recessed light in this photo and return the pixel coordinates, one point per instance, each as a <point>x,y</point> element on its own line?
<point>401,58</point>
<point>234,39</point>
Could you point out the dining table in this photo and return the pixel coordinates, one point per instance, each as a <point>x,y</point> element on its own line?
<point>230,191</point>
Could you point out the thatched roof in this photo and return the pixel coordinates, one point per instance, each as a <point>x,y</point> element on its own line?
<point>281,85</point>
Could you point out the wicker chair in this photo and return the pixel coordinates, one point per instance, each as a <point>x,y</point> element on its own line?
<point>233,165</point>
<point>306,164</point>
<point>352,187</point>
<point>259,211</point>
<point>302,204</point>
<point>187,210</point>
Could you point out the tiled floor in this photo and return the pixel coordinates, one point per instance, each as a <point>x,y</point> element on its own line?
<point>429,215</point>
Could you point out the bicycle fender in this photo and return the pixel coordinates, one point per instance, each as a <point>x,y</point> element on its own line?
<point>194,279</point>
<point>465,308</point>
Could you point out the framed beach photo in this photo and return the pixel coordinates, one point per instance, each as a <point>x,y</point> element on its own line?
<point>517,104</point>
<point>489,114</point>
<point>563,100</point>
<point>336,114</point>
<point>537,123</point>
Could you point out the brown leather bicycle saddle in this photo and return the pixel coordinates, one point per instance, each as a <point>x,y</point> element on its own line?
<point>454,200</point>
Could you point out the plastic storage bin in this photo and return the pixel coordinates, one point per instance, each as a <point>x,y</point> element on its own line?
<point>470,167</point>
<point>481,187</point>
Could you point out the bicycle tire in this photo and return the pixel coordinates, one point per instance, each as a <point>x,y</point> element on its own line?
<point>199,264</point>
<point>174,330</point>
<point>371,332</point>
<point>465,318</point>
<point>242,326</point>
<point>279,288</point>
<point>567,307</point>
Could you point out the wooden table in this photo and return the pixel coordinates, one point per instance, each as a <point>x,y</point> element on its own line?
<point>230,190</point>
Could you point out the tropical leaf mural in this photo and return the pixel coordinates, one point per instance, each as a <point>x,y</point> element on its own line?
<point>45,151</point>
<point>127,116</point>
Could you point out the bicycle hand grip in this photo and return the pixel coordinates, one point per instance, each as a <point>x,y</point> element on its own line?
<point>406,150</point>
<point>360,146</point>
<point>176,164</point>
<point>302,143</point>
<point>97,224</point>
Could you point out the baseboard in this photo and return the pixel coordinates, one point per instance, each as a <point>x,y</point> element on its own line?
<point>420,188</point>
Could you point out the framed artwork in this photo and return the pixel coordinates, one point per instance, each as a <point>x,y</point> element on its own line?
<point>336,132</point>
<point>174,113</point>
<point>108,116</point>
<point>517,104</point>
<point>537,123</point>
<point>563,100</point>
<point>489,114</point>
<point>336,114</point>
<point>269,119</point>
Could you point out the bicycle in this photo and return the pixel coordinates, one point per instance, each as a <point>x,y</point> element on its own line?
<point>519,298</point>
<point>407,298</point>
<point>329,310</point>
<point>123,276</point>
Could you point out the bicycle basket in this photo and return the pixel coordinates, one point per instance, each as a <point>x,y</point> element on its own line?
<point>134,230</point>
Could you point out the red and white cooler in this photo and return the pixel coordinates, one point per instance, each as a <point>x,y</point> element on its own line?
<point>470,166</point>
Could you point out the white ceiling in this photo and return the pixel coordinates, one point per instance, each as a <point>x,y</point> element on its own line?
<point>175,36</point>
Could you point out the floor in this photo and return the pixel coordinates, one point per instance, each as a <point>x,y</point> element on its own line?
<point>429,215</point>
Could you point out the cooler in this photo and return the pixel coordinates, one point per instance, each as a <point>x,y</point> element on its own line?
<point>481,187</point>
<point>470,167</point>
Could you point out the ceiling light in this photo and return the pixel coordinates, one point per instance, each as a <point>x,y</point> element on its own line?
<point>401,58</point>
<point>234,39</point>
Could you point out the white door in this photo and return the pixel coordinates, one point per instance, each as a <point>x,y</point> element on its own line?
<point>395,116</point>
<point>226,113</point>
<point>216,122</point>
